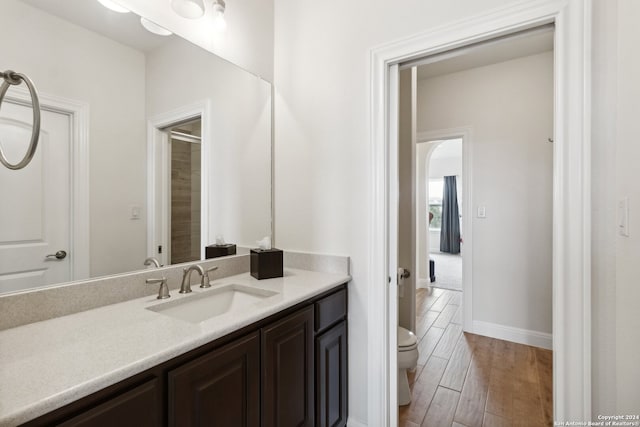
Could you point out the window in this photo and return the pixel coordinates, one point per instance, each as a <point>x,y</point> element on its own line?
<point>435,202</point>
<point>436,222</point>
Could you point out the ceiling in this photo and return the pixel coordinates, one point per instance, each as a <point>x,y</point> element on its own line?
<point>493,52</point>
<point>124,28</point>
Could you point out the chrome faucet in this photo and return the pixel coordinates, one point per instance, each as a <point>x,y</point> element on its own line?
<point>185,288</point>
<point>152,260</point>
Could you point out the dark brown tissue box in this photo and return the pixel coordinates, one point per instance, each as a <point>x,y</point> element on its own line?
<point>266,263</point>
<point>216,251</point>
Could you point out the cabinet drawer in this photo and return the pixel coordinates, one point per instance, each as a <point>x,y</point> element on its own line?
<point>331,309</point>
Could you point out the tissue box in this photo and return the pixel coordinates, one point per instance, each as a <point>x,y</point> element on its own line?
<point>266,263</point>
<point>216,251</point>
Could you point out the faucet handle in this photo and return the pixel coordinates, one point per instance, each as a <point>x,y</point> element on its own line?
<point>205,277</point>
<point>163,292</point>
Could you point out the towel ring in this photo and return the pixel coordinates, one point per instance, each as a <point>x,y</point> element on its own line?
<point>11,78</point>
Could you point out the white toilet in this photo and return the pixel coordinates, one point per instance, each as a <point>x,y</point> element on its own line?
<point>407,360</point>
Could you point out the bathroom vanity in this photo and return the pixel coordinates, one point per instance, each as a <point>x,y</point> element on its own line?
<point>280,361</point>
<point>83,339</point>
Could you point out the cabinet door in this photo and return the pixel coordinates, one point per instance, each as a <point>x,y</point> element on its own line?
<point>287,371</point>
<point>331,377</point>
<point>139,407</point>
<point>221,388</point>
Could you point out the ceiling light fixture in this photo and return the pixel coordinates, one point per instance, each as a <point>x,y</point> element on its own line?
<point>194,9</point>
<point>111,5</point>
<point>219,23</point>
<point>190,9</point>
<point>154,28</point>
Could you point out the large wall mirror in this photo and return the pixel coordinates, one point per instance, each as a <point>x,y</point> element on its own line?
<point>150,146</point>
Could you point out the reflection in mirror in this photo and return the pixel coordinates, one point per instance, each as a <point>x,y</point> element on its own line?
<point>185,153</point>
<point>150,146</point>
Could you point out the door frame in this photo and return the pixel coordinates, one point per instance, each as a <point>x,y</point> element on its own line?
<point>158,223</point>
<point>78,114</point>
<point>571,195</point>
<point>466,134</point>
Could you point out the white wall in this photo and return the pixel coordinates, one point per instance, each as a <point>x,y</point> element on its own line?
<point>510,108</point>
<point>322,153</point>
<point>69,61</point>
<point>628,248</point>
<point>445,166</point>
<point>604,230</point>
<point>247,42</point>
<point>615,269</point>
<point>240,122</point>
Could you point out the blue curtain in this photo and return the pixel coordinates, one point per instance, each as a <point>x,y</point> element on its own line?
<point>450,229</point>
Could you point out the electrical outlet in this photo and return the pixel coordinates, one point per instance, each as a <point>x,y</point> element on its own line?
<point>482,211</point>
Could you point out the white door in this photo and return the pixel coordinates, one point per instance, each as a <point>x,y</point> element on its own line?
<point>34,201</point>
<point>407,80</point>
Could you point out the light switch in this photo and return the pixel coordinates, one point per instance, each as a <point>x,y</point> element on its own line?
<point>482,211</point>
<point>623,217</point>
<point>135,212</point>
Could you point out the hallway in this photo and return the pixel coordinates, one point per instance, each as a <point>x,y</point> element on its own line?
<point>469,380</point>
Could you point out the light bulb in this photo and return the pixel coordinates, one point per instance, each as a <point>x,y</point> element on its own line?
<point>219,23</point>
<point>191,9</point>
<point>154,28</point>
<point>111,5</point>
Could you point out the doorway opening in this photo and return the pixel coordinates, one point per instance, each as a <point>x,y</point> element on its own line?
<point>187,130</point>
<point>457,336</point>
<point>571,196</point>
<point>185,158</point>
<point>443,183</point>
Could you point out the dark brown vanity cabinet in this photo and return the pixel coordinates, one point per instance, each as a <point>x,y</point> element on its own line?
<point>331,360</point>
<point>331,377</point>
<point>134,402</point>
<point>221,388</point>
<point>139,407</point>
<point>288,370</point>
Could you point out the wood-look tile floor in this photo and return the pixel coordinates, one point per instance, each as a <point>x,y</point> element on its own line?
<point>467,380</point>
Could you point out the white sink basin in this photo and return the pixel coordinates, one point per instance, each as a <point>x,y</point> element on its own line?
<point>214,302</point>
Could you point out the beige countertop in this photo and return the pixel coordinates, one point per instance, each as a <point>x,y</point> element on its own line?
<point>49,364</point>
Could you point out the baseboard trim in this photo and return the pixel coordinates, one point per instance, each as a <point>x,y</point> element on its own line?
<point>509,333</point>
<point>423,283</point>
<point>351,422</point>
